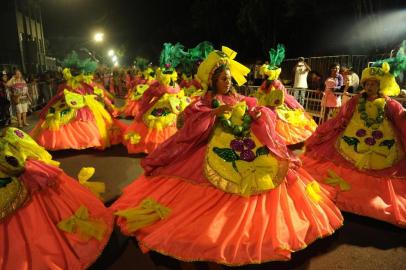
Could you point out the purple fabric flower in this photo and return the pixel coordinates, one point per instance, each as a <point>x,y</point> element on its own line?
<point>19,133</point>
<point>361,133</point>
<point>237,145</point>
<point>248,143</point>
<point>370,141</point>
<point>247,155</point>
<point>377,134</point>
<point>159,112</point>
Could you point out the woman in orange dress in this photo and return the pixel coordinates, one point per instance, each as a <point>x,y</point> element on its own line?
<point>225,188</point>
<point>293,124</point>
<point>47,219</point>
<point>76,117</point>
<point>360,154</point>
<point>159,106</point>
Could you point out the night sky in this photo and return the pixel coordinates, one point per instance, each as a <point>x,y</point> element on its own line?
<point>251,27</point>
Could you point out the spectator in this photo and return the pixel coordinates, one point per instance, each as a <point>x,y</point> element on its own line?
<point>331,101</point>
<point>33,91</point>
<point>314,81</point>
<point>301,70</point>
<point>353,79</point>
<point>4,101</point>
<point>19,97</point>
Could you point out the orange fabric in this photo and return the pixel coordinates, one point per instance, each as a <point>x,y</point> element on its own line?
<point>207,224</point>
<point>75,135</point>
<point>31,240</point>
<point>292,134</point>
<point>151,138</point>
<point>131,108</point>
<point>372,196</point>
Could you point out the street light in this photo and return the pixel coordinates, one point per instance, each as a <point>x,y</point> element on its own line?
<point>111,53</point>
<point>98,37</point>
<point>114,58</point>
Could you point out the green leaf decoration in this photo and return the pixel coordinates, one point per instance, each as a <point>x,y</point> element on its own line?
<point>226,154</point>
<point>276,56</point>
<point>387,143</point>
<point>262,151</point>
<point>4,182</point>
<point>351,140</point>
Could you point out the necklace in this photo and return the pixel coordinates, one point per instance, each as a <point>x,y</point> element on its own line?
<point>242,130</point>
<point>369,122</point>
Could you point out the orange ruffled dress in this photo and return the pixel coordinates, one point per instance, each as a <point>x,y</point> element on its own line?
<point>363,162</point>
<point>293,124</point>
<point>47,219</point>
<point>185,206</point>
<point>156,121</point>
<point>76,118</point>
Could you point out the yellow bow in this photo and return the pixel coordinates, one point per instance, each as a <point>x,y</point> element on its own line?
<point>313,190</point>
<point>95,187</point>
<point>238,71</point>
<point>333,179</point>
<point>80,222</point>
<point>148,212</point>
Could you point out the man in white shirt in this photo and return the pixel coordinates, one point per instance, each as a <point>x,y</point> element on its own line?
<point>300,83</point>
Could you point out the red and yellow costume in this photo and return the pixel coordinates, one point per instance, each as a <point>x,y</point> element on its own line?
<point>47,219</point>
<point>360,153</point>
<point>233,195</point>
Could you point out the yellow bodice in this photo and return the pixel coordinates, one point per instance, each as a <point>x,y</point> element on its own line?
<point>242,166</point>
<point>375,147</point>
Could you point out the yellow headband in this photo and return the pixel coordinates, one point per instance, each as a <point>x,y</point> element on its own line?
<point>217,58</point>
<point>387,82</point>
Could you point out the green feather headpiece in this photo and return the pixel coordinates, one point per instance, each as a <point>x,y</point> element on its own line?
<point>201,51</point>
<point>171,56</point>
<point>86,66</point>
<point>276,56</point>
<point>398,63</point>
<point>141,63</point>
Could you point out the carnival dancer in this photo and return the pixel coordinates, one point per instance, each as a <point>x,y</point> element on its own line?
<point>361,152</point>
<point>159,106</point>
<point>47,219</point>
<point>225,188</point>
<point>293,123</point>
<point>76,118</point>
<point>141,84</point>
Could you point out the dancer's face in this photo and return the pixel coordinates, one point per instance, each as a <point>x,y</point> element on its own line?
<point>371,87</point>
<point>223,83</point>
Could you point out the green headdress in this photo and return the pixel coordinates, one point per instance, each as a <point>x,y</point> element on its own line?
<point>398,63</point>
<point>275,59</point>
<point>74,63</point>
<point>141,63</point>
<point>171,56</point>
<point>201,51</point>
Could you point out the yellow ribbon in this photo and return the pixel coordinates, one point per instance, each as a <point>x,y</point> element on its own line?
<point>95,187</point>
<point>238,71</point>
<point>333,179</point>
<point>148,212</point>
<point>80,223</point>
<point>313,190</point>
<point>101,116</point>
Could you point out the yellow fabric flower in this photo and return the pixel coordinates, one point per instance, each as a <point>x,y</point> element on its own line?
<point>132,137</point>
